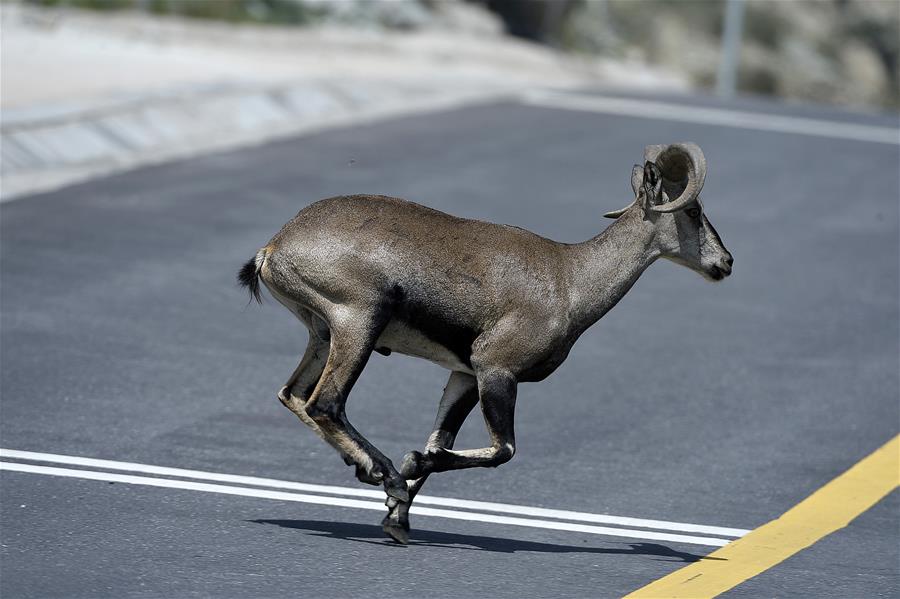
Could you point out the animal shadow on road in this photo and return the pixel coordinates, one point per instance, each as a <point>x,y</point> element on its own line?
<point>366,533</point>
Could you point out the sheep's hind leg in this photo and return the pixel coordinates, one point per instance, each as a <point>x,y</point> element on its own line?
<point>460,396</point>
<point>299,388</point>
<point>351,346</point>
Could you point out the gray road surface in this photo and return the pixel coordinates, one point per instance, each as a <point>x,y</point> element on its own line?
<point>124,337</point>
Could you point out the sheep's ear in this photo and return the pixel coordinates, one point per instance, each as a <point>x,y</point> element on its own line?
<point>637,175</point>
<point>652,184</point>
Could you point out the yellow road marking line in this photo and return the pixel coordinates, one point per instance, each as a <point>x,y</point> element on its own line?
<point>829,509</point>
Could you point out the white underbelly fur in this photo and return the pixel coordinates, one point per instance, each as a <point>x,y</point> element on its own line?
<point>408,341</point>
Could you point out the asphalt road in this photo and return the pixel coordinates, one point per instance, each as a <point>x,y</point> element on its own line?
<point>124,337</point>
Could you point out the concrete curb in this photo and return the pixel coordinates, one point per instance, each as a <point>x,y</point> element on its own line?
<point>44,148</point>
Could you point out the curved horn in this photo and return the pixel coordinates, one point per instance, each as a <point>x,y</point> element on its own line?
<point>683,168</point>
<point>637,175</point>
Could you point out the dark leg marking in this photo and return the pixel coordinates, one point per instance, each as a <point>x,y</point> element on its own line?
<point>497,392</point>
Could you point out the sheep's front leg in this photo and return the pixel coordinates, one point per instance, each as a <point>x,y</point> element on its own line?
<point>460,396</point>
<point>497,392</point>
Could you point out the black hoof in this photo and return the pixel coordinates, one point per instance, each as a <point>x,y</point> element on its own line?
<point>396,530</point>
<point>412,465</point>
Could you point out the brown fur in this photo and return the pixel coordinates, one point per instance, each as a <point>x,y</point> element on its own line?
<point>495,304</point>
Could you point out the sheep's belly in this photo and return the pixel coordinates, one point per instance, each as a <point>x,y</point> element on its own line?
<point>400,338</point>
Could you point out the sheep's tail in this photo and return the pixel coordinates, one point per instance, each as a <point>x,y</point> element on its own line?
<point>248,276</point>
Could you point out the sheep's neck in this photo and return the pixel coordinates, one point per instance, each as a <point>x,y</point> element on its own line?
<point>605,268</point>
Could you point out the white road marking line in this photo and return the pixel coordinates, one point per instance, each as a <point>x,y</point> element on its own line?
<point>521,510</point>
<point>356,503</point>
<point>714,116</point>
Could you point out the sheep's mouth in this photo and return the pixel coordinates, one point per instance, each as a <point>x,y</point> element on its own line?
<point>717,274</point>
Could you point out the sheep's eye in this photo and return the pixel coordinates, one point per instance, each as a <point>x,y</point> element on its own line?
<point>693,212</point>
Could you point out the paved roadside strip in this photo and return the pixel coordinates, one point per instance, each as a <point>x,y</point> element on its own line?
<point>827,510</point>
<point>462,509</point>
<point>48,147</point>
<point>757,121</point>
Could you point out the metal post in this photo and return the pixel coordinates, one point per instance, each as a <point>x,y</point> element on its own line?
<point>726,81</point>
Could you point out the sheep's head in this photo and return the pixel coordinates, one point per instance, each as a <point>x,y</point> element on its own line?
<point>683,233</point>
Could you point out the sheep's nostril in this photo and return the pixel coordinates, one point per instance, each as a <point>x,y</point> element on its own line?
<point>729,260</point>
